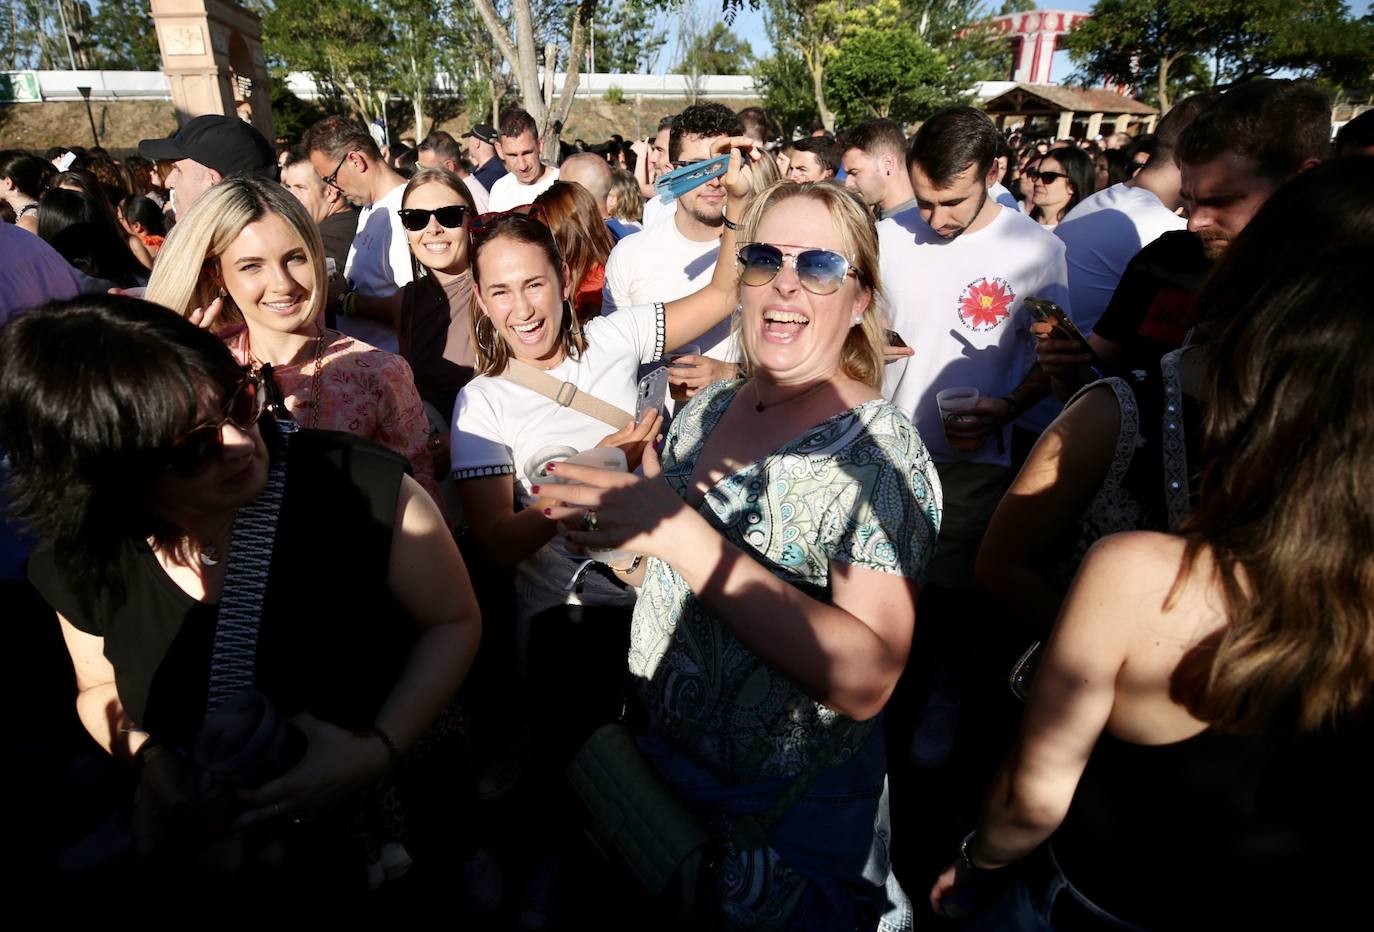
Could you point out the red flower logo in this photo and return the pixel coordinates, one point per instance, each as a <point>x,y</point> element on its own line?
<point>985,304</point>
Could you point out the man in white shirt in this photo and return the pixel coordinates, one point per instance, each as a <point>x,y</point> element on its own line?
<point>677,256</point>
<point>656,162</point>
<point>874,158</point>
<point>346,157</point>
<point>440,150</point>
<point>1105,231</point>
<point>955,272</point>
<point>520,147</point>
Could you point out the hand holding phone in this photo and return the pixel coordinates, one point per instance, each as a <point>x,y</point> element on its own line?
<point>1061,329</point>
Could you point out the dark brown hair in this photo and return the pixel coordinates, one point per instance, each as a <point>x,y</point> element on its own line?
<point>577,227</point>
<point>1284,503</point>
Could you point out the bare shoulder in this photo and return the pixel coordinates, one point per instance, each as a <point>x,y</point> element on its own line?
<point>1125,578</point>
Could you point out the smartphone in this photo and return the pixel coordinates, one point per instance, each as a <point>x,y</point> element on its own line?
<point>894,338</point>
<point>1047,312</point>
<point>651,392</point>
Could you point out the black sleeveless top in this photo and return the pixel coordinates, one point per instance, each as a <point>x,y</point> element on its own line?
<point>1222,831</point>
<point>332,638</point>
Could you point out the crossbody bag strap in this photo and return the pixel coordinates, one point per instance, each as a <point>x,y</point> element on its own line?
<point>234,653</point>
<point>751,831</point>
<point>566,394</point>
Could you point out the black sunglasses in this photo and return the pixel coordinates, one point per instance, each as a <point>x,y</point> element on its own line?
<point>820,271</point>
<point>416,219</point>
<point>1048,178</point>
<point>244,407</point>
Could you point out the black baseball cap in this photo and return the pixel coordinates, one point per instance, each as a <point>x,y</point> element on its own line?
<point>482,131</point>
<point>225,143</point>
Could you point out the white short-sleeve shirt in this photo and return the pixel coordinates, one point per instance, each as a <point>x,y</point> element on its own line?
<point>499,426</point>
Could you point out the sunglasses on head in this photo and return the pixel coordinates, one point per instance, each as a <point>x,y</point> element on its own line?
<point>1046,177</point>
<point>820,271</point>
<point>243,409</point>
<point>482,224</point>
<point>416,219</point>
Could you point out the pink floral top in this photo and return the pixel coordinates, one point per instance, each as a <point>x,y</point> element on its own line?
<point>363,391</point>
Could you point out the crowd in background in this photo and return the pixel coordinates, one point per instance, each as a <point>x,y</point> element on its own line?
<point>995,552</point>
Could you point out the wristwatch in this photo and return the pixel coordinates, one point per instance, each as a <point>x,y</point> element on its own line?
<point>1013,407</point>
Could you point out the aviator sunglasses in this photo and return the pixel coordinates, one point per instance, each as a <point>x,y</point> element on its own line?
<point>243,409</point>
<point>820,271</point>
<point>415,219</point>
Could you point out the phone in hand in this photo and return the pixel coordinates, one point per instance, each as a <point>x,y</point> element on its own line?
<point>651,392</point>
<point>1063,328</point>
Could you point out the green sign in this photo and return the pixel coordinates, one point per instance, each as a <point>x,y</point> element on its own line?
<point>19,87</point>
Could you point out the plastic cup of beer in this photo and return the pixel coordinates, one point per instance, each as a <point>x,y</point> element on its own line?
<point>677,390</point>
<point>953,402</point>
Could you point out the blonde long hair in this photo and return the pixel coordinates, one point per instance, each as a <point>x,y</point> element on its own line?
<point>862,355</point>
<point>184,274</point>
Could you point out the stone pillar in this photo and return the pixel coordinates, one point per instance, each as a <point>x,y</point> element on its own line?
<point>1122,123</point>
<point>1150,123</point>
<point>1065,124</point>
<point>1094,125</point>
<point>212,56</point>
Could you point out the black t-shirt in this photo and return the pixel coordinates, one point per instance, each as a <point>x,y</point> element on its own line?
<point>332,639</point>
<point>337,231</point>
<point>1152,309</point>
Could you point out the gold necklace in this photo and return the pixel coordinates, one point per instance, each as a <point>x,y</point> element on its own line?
<point>256,366</point>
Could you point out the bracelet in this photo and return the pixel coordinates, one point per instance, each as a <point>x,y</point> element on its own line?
<point>966,859</point>
<point>1013,406</point>
<point>729,224</point>
<point>397,758</point>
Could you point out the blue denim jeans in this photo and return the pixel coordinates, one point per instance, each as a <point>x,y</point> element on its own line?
<point>1029,905</point>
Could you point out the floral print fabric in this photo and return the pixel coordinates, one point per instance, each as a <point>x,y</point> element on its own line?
<point>363,391</point>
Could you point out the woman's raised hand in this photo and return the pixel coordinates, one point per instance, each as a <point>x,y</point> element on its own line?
<point>744,152</point>
<point>206,317</point>
<point>633,438</point>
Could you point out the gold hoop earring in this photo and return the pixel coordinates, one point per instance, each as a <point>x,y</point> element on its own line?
<point>487,351</point>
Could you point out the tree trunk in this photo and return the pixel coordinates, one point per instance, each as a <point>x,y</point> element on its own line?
<point>818,87</point>
<point>1164,64</point>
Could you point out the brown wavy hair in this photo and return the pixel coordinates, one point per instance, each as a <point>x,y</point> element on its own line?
<point>1288,446</point>
<point>489,346</point>
<point>577,227</point>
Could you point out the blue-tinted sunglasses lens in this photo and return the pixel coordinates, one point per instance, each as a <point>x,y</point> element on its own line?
<point>821,271</point>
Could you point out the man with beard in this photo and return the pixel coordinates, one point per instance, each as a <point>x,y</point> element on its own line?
<point>1231,158</point>
<point>675,257</point>
<point>955,272</point>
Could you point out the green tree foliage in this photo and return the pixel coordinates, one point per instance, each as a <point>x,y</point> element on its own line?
<point>717,51</point>
<point>342,45</point>
<point>1165,47</point>
<point>625,38</point>
<point>889,72</point>
<point>785,85</point>
<point>121,37</point>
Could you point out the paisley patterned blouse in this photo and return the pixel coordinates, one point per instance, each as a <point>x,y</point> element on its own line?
<point>363,391</point>
<point>858,488</point>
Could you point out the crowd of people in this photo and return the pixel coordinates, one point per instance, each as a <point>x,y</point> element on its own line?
<point>940,528</point>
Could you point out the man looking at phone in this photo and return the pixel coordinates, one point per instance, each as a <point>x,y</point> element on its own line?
<point>673,258</point>
<point>1235,154</point>
<point>955,272</point>
<point>1105,230</point>
<point>874,159</point>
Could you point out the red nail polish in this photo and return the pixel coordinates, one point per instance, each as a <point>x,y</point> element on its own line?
<point>551,467</point>
<point>548,512</point>
<point>534,490</point>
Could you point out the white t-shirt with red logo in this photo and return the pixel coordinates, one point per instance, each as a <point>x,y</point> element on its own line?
<point>957,303</point>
